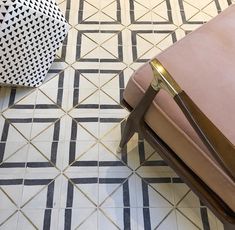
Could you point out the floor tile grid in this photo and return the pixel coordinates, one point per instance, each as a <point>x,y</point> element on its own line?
<point>71,64</point>
<point>90,51</point>
<point>39,191</point>
<point>21,210</point>
<point>60,108</point>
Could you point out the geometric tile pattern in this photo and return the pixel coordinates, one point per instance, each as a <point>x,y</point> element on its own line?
<point>59,168</point>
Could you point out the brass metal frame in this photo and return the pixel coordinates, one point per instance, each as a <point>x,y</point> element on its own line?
<point>220,147</point>
<point>163,79</point>
<point>217,144</point>
<point>205,194</point>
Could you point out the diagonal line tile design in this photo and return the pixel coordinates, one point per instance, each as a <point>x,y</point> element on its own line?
<point>59,168</point>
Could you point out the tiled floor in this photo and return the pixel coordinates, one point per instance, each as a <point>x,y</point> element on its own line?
<point>59,167</point>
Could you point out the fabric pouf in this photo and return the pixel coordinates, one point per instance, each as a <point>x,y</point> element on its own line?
<point>31,31</point>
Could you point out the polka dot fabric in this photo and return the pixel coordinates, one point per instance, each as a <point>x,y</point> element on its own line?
<point>31,31</point>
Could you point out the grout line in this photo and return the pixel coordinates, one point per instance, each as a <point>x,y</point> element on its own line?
<point>9,217</point>
<point>29,220</point>
<point>184,215</point>
<point>100,90</point>
<point>159,224</point>
<point>80,190</point>
<point>92,213</point>
<point>101,210</point>
<point>149,184</point>
<point>5,193</point>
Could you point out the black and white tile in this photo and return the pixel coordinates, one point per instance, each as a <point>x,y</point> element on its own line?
<point>59,168</point>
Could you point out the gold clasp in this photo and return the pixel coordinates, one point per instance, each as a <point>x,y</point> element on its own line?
<point>163,80</point>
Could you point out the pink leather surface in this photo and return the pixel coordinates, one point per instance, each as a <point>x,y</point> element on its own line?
<point>203,63</point>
